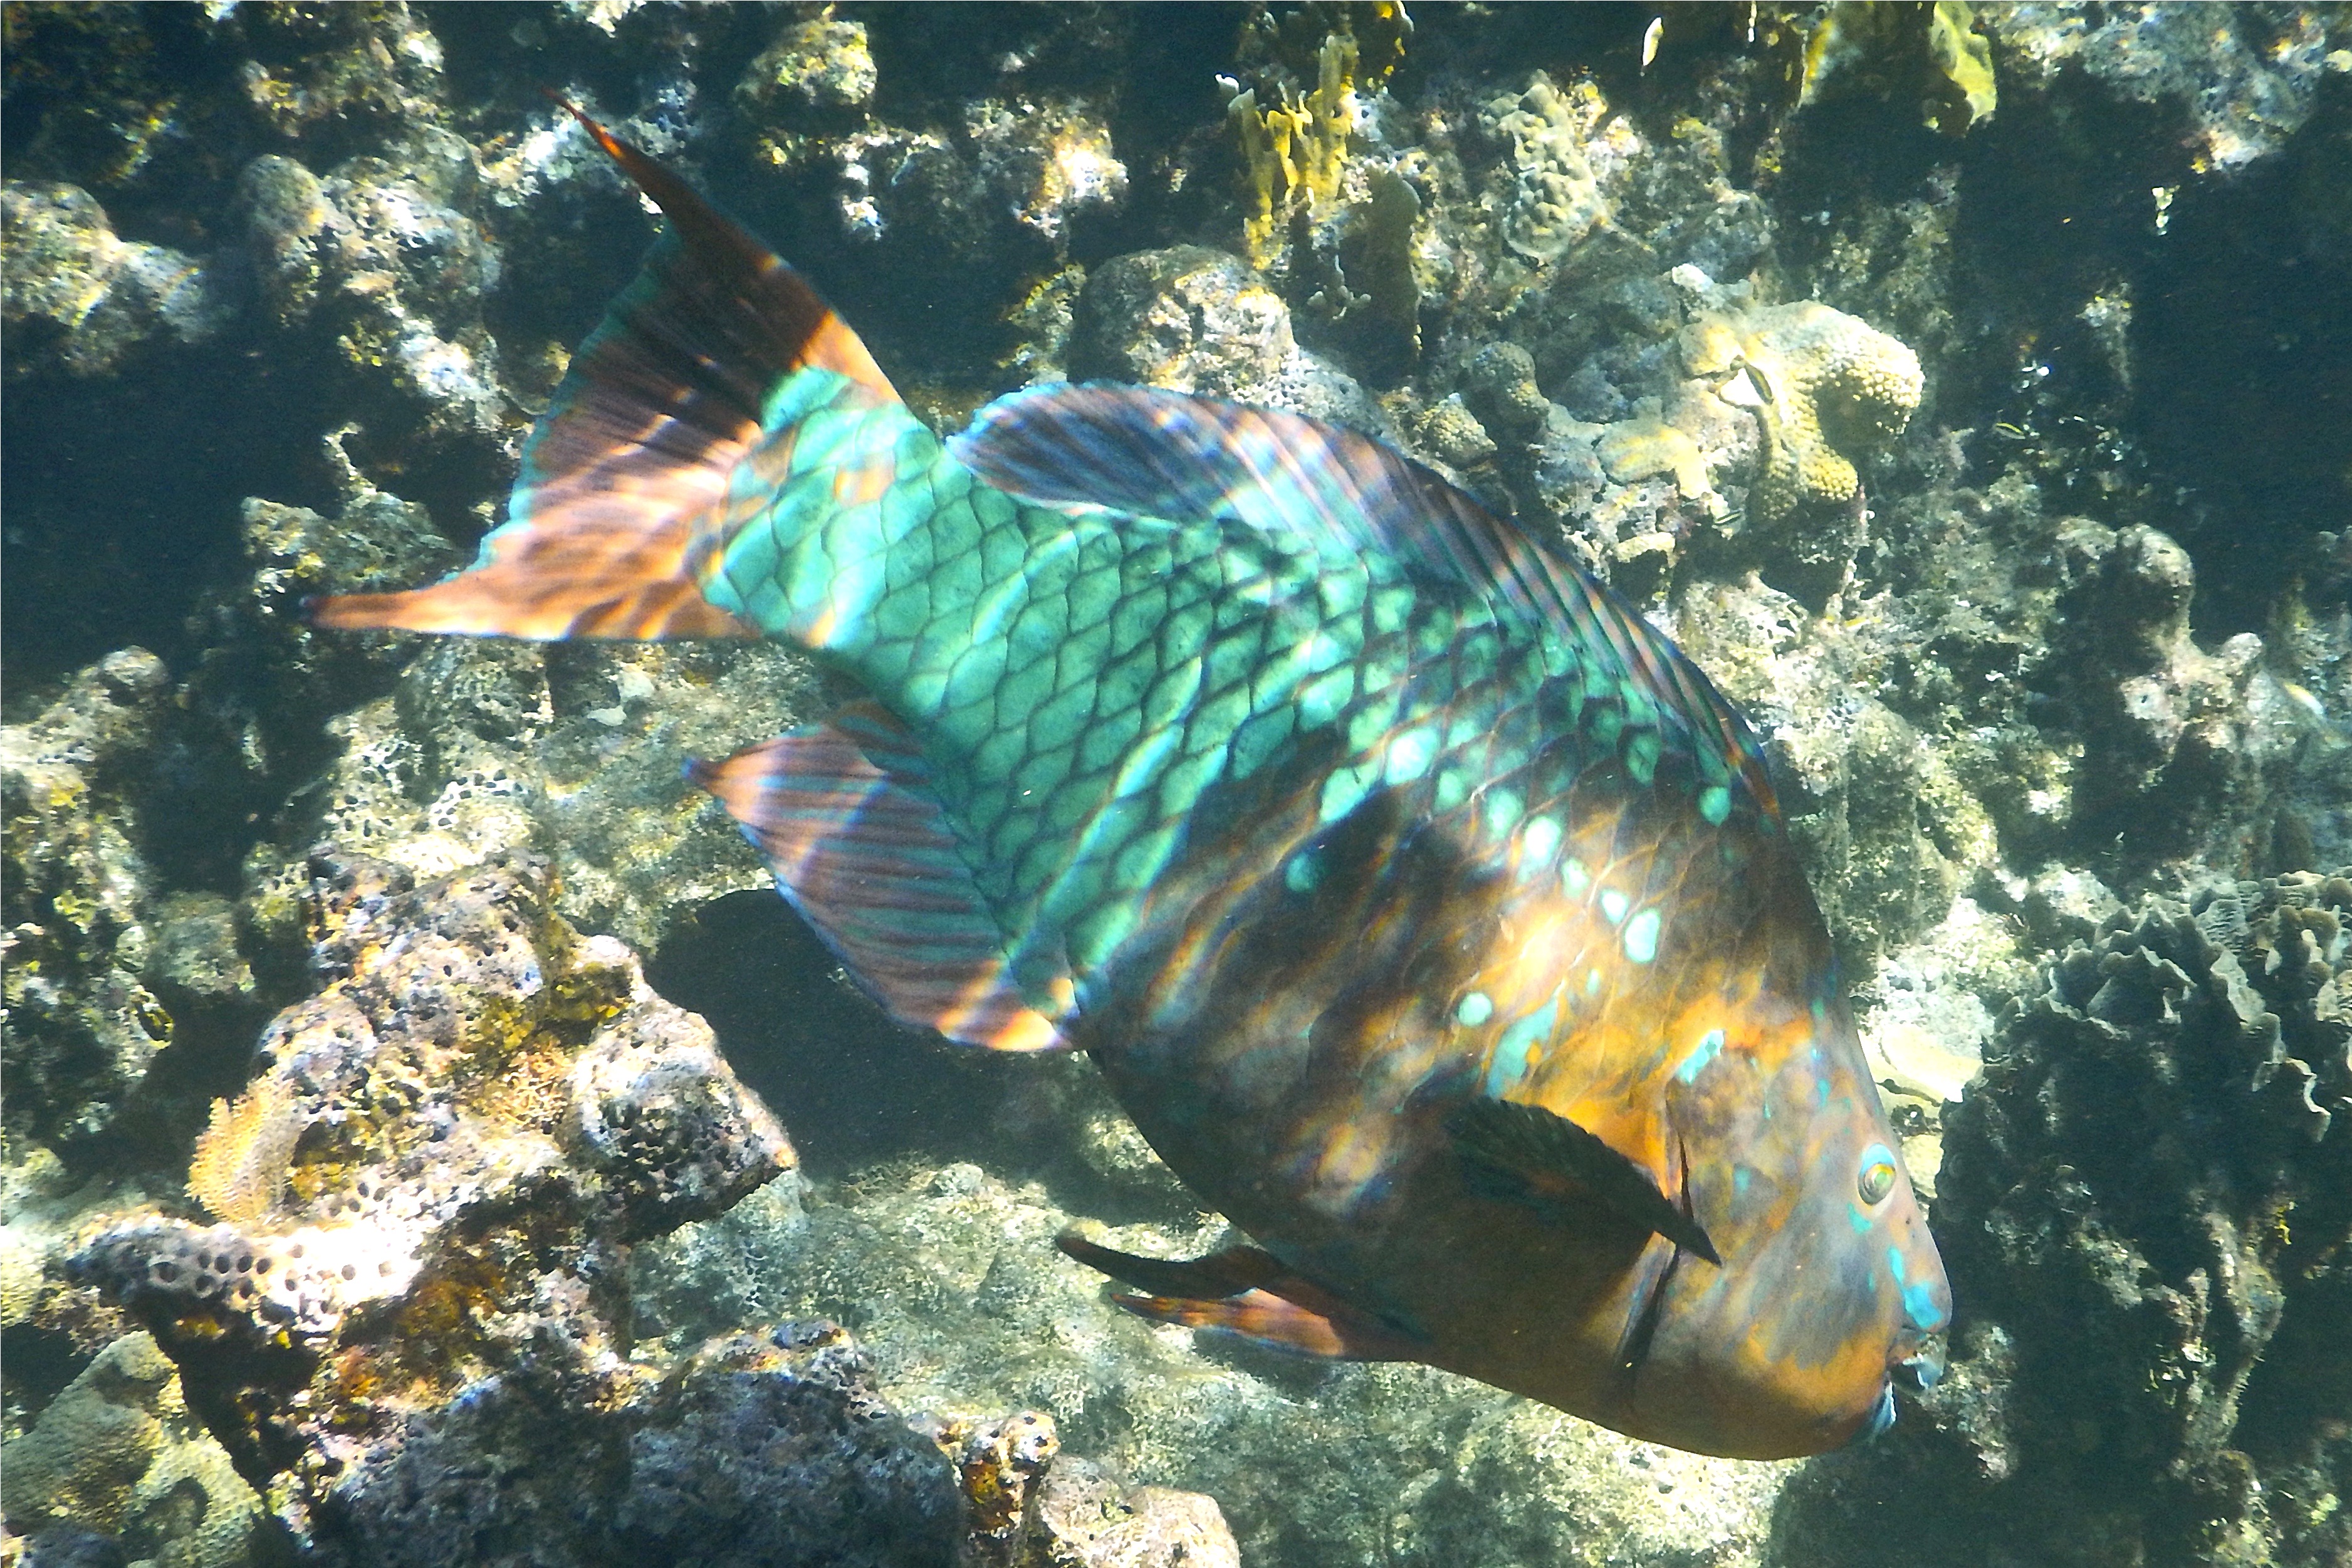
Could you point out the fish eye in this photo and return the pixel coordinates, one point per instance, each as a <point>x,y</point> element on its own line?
<point>1878,1174</point>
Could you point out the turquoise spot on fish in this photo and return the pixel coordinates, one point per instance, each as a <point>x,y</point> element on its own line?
<point>1613,905</point>
<point>1344,790</point>
<point>1509,1064</point>
<point>1304,872</point>
<point>1709,1046</point>
<point>1538,842</point>
<point>1452,789</point>
<point>1918,1297</point>
<point>1642,936</point>
<point>1742,1177</point>
<point>1642,756</point>
<point>1410,754</point>
<point>1715,804</point>
<point>1856,1217</point>
<point>1502,808</point>
<point>1474,1009</point>
<point>1592,983</point>
<point>1575,878</point>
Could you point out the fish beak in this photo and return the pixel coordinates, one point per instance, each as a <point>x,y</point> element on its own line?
<point>1881,1418</point>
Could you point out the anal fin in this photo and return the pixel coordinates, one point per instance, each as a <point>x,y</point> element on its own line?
<point>843,813</point>
<point>1248,1292</point>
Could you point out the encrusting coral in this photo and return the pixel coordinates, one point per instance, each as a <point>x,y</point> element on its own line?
<point>1823,384</point>
<point>1556,201</point>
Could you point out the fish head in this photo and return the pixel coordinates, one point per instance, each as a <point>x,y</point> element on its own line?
<point>1829,1293</point>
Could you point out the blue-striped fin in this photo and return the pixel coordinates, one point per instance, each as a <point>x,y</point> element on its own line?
<point>843,813</point>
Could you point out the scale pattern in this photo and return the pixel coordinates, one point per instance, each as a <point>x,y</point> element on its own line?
<point>1082,679</point>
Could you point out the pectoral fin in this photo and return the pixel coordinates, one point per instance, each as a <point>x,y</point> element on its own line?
<point>1538,1150</point>
<point>1245,1292</point>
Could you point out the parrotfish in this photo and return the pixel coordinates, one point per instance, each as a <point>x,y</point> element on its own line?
<point>1430,912</point>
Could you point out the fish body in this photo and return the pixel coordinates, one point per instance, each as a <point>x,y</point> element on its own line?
<point>1430,914</point>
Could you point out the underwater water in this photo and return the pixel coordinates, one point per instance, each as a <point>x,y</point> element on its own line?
<point>424,1136</point>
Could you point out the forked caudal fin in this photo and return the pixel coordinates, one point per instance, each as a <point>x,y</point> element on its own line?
<point>619,514</point>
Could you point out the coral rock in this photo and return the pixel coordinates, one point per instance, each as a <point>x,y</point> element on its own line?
<point>460,1136</point>
<point>1189,317</point>
<point>1086,1520</point>
<point>81,1024</point>
<point>1823,384</point>
<point>79,294</point>
<point>760,1450</point>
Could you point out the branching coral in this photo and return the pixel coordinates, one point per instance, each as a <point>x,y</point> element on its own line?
<point>1928,53</point>
<point>1295,150</point>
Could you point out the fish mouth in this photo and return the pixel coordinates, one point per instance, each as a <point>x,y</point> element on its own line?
<point>1923,1368</point>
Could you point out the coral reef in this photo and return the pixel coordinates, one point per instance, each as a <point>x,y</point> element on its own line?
<point>80,295</point>
<point>81,1024</point>
<point>2150,1193</point>
<point>116,1453</point>
<point>1992,476</point>
<point>449,1138</point>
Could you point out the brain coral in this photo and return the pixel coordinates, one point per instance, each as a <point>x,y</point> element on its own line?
<point>1555,201</point>
<point>1823,384</point>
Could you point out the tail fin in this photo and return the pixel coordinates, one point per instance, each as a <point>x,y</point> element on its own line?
<point>620,513</point>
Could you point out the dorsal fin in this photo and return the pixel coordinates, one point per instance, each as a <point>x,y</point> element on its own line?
<point>843,813</point>
<point>1168,455</point>
<point>613,519</point>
